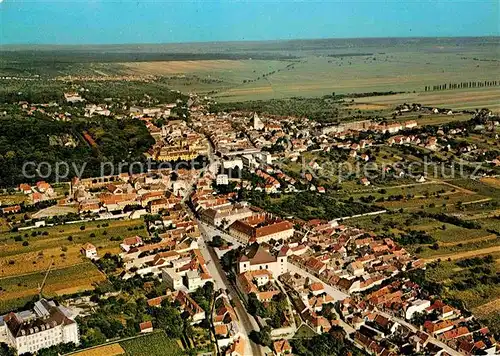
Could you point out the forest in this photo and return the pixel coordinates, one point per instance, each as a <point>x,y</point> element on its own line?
<point>28,139</point>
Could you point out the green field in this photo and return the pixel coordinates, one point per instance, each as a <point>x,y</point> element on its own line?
<point>61,244</point>
<point>17,291</point>
<point>243,71</point>
<point>22,267</point>
<point>157,344</point>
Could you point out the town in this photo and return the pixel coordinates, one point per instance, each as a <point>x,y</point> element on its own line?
<point>249,241</point>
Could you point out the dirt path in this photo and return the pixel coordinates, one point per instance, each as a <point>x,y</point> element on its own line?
<point>465,254</point>
<point>466,191</point>
<point>469,241</point>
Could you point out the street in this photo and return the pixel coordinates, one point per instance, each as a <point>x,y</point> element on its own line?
<point>247,322</point>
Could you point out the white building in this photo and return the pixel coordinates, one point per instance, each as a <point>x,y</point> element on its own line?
<point>172,278</point>
<point>222,179</point>
<point>258,259</point>
<point>89,250</point>
<point>233,163</point>
<point>195,280</point>
<point>417,306</point>
<point>44,326</point>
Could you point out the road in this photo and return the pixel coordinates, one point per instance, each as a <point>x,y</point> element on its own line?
<point>247,322</point>
<point>333,292</point>
<point>212,231</point>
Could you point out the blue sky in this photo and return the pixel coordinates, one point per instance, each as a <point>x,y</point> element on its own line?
<point>127,21</point>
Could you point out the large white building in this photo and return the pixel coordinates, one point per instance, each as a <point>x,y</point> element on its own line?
<point>44,326</point>
<point>258,258</point>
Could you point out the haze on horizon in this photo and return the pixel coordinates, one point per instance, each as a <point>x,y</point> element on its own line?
<point>127,21</point>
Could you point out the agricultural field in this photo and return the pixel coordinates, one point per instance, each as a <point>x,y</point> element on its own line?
<point>32,250</point>
<point>16,291</point>
<point>242,71</point>
<point>474,206</point>
<point>452,99</point>
<point>13,198</point>
<point>157,344</point>
<point>317,75</point>
<point>471,281</point>
<point>108,350</point>
<point>25,257</point>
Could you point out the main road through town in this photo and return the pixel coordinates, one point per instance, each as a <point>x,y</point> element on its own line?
<point>247,322</point>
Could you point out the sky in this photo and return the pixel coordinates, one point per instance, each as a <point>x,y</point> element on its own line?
<point>166,21</point>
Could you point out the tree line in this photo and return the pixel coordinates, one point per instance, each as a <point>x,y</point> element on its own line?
<point>462,85</point>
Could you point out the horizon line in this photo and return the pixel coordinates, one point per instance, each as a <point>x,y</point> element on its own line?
<point>245,41</point>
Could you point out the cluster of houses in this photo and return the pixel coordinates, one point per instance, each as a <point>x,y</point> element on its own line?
<point>221,131</point>
<point>349,259</point>
<point>39,192</point>
<point>403,310</point>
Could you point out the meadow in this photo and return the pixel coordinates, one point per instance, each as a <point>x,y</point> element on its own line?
<point>242,71</point>
<point>25,257</point>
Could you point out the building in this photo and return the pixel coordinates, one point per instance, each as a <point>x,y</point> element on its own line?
<point>258,258</point>
<point>225,215</point>
<point>257,123</point>
<point>89,250</point>
<point>237,348</point>
<point>146,327</point>
<point>417,306</point>
<point>282,347</point>
<point>172,279</point>
<point>260,228</point>
<point>222,179</point>
<point>131,242</point>
<point>252,281</point>
<point>44,326</point>
<point>11,209</point>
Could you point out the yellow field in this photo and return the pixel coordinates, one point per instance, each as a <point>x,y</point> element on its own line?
<point>181,67</point>
<point>492,181</point>
<point>465,254</point>
<point>453,99</point>
<point>108,350</point>
<point>17,290</point>
<point>16,259</point>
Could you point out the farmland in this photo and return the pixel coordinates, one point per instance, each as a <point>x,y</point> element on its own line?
<point>395,69</point>
<point>18,290</point>
<point>60,244</point>
<point>151,345</point>
<point>109,350</point>
<point>242,71</point>
<point>25,256</point>
<point>470,280</point>
<point>435,221</point>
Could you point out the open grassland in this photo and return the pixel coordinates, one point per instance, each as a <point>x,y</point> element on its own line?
<point>311,73</point>
<point>157,344</point>
<point>16,291</point>
<point>452,99</point>
<point>61,244</point>
<point>108,350</point>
